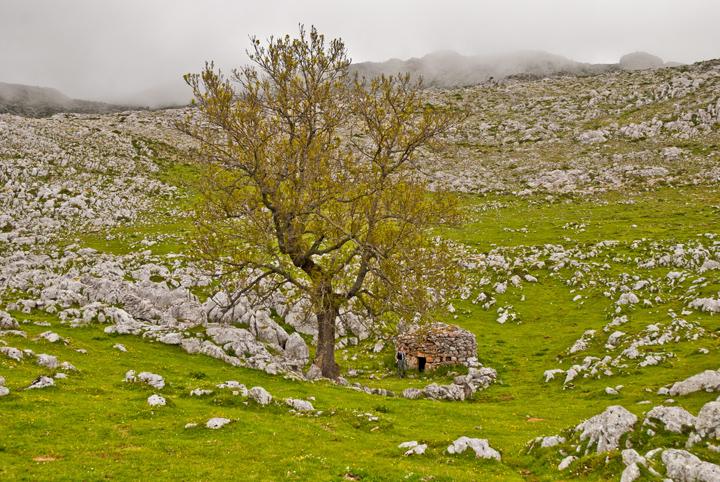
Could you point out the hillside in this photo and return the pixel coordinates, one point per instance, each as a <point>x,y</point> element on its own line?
<point>33,101</point>
<point>589,239</point>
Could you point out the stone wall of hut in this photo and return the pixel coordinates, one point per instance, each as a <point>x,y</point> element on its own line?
<point>439,343</point>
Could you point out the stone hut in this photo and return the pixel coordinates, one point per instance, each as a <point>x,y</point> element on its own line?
<point>429,346</point>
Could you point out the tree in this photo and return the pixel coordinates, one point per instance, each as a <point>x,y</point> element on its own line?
<point>311,184</point>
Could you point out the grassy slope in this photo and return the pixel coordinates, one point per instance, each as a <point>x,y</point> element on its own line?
<point>94,426</point>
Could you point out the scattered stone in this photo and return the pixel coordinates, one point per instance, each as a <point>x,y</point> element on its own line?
<point>152,379</point>
<point>47,361</point>
<point>414,448</point>
<point>565,463</point>
<point>41,382</point>
<point>156,401</point>
<point>260,395</point>
<point>604,431</point>
<point>50,336</point>
<point>481,447</point>
<point>299,405</point>
<point>120,347</point>
<point>199,392</point>
<point>12,353</point>
<point>216,423</point>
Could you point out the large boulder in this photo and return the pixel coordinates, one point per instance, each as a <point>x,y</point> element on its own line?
<point>7,322</point>
<point>605,430</point>
<point>707,423</point>
<point>296,348</point>
<point>682,466</point>
<point>260,395</point>
<point>673,419</point>
<point>709,380</point>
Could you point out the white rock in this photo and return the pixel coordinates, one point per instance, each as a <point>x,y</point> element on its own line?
<point>682,466</point>
<point>120,347</point>
<point>550,374</point>
<point>481,447</point>
<point>551,441</point>
<point>565,463</point>
<point>41,382</point>
<point>51,336</point>
<point>199,392</point>
<point>707,423</point>
<point>47,361</point>
<point>296,348</point>
<point>604,431</point>
<point>630,456</point>
<point>630,473</point>
<point>709,380</point>
<point>260,395</point>
<point>156,401</point>
<point>152,379</point>
<point>299,405</point>
<point>674,419</point>
<point>418,449</point>
<point>7,322</point>
<point>4,391</point>
<point>171,338</point>
<point>217,422</point>
<point>408,445</point>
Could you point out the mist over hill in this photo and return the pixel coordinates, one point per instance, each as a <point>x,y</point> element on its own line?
<point>444,69</point>
<point>451,69</point>
<point>31,101</point>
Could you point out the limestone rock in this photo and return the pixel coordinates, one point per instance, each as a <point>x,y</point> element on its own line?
<point>709,380</point>
<point>481,447</point>
<point>217,422</point>
<point>673,419</point>
<point>565,463</point>
<point>41,382</point>
<point>156,401</point>
<point>299,405</point>
<point>296,348</point>
<point>152,379</point>
<point>604,431</point>
<point>12,353</point>
<point>707,423</point>
<point>260,395</point>
<point>50,336</point>
<point>47,361</point>
<point>682,466</point>
<point>7,322</point>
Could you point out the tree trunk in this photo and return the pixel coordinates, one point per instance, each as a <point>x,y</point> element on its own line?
<point>325,354</point>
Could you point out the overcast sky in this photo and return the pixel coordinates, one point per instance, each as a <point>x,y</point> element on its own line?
<point>108,49</point>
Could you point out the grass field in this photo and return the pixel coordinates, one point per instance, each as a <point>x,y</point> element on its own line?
<point>93,426</point>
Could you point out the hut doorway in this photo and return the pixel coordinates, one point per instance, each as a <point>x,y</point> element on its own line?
<point>421,363</point>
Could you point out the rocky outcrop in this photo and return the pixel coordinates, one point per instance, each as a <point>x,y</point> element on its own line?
<point>603,432</point>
